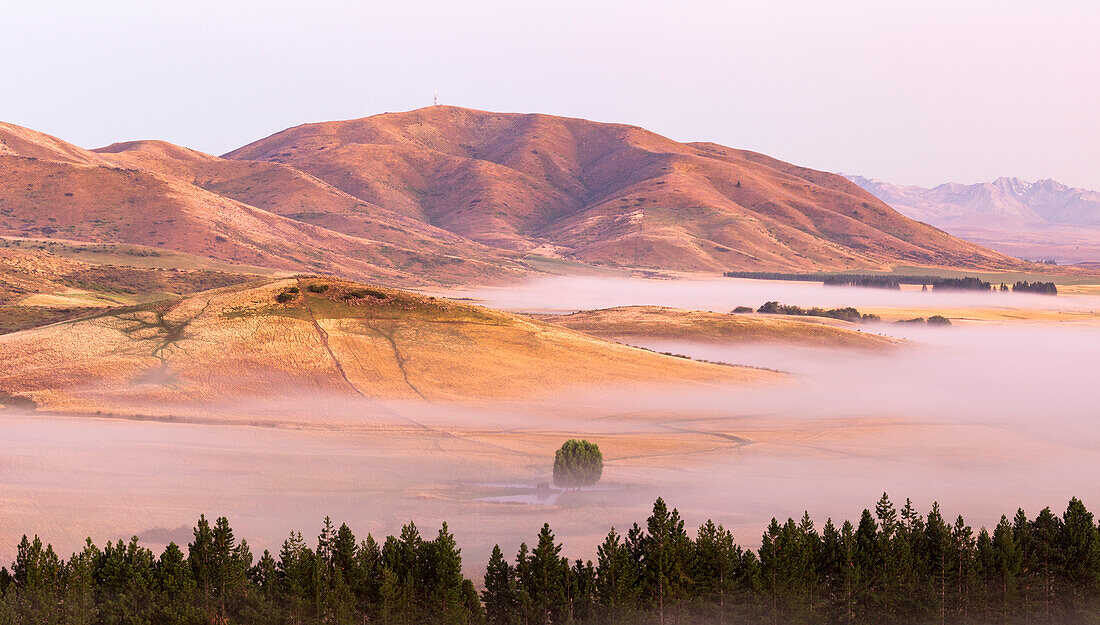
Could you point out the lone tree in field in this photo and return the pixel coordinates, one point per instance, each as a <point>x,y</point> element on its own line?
<point>577,463</point>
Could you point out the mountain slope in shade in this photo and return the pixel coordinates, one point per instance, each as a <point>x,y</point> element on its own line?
<point>608,193</point>
<point>153,194</point>
<point>1043,219</point>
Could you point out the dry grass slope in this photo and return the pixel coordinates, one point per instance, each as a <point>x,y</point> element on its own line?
<point>319,337</point>
<point>39,286</point>
<point>163,196</point>
<point>609,193</point>
<point>656,322</point>
<point>446,195</point>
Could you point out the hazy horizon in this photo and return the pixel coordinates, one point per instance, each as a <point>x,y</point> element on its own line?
<point>908,94</point>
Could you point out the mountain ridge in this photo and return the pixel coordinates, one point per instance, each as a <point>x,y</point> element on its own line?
<point>1041,201</point>
<point>451,195</point>
<point>1040,219</point>
<point>607,193</point>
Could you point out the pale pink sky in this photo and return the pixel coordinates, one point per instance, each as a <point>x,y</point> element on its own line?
<point>910,92</point>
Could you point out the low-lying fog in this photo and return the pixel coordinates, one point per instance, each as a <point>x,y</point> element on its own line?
<point>723,294</point>
<point>982,417</point>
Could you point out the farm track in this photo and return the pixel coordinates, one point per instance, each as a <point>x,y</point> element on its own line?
<point>396,355</point>
<point>324,337</point>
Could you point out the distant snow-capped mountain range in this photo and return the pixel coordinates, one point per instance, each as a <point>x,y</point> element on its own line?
<point>1005,202</point>
<point>1042,219</point>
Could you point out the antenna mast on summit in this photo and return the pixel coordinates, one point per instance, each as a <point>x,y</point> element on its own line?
<point>435,98</point>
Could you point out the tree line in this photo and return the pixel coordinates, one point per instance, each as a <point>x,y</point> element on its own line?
<point>882,281</point>
<point>1043,288</point>
<point>894,282</point>
<point>871,282</point>
<point>844,314</point>
<point>891,566</point>
<point>968,283</point>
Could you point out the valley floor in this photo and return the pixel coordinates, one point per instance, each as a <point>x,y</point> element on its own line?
<point>980,416</point>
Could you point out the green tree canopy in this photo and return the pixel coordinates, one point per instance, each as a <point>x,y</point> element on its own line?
<point>578,463</point>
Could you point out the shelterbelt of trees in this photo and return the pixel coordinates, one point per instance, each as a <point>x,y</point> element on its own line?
<point>891,566</point>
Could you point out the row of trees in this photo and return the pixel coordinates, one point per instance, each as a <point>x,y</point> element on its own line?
<point>845,314</point>
<point>871,282</point>
<point>1043,288</point>
<point>935,320</point>
<point>892,566</point>
<point>407,580</point>
<point>876,280</point>
<point>883,281</point>
<point>961,284</point>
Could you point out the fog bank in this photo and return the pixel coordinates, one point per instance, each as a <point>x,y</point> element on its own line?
<point>566,294</point>
<point>982,417</point>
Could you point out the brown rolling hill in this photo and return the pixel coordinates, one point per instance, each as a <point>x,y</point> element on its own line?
<point>287,191</point>
<point>318,338</point>
<point>446,195</point>
<point>632,323</point>
<point>20,141</point>
<point>53,190</point>
<point>40,285</point>
<point>610,194</point>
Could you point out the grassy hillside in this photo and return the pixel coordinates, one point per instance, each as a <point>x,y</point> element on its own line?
<point>319,337</point>
<point>42,283</point>
<point>657,322</point>
<point>609,193</point>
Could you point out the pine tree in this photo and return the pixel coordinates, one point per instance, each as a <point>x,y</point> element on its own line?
<point>890,558</point>
<point>582,591</point>
<point>37,578</point>
<point>200,555</point>
<point>665,559</point>
<point>1008,566</point>
<point>1046,570</point>
<point>345,557</point>
<point>525,603</point>
<point>446,603</point>
<point>472,603</point>
<point>715,564</point>
<point>616,580</point>
<point>333,599</point>
<point>542,576</point>
<point>787,555</point>
<point>939,546</point>
<point>868,559</point>
<point>265,577</point>
<point>963,573</point>
<point>1046,560</point>
<point>832,572</point>
<point>499,596</point>
<point>79,604</point>
<point>229,565</point>
<point>368,589</point>
<point>404,558</point>
<point>1022,537</point>
<point>125,579</point>
<point>1079,545</point>
<point>809,549</point>
<point>984,594</point>
<point>394,606</point>
<point>295,578</point>
<point>770,546</point>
